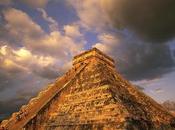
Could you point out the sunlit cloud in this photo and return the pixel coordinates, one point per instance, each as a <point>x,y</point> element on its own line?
<point>107,42</point>
<point>22,59</point>
<point>72,31</point>
<point>91,13</point>
<point>30,35</point>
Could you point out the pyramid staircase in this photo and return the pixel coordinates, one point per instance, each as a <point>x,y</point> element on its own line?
<point>91,96</point>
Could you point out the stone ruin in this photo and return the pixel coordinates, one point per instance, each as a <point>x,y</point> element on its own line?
<point>92,95</point>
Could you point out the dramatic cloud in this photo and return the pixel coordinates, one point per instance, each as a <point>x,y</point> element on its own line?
<point>10,106</point>
<point>15,61</point>
<point>48,72</point>
<point>91,13</point>
<point>51,50</point>
<point>153,20</point>
<point>19,28</point>
<point>57,45</point>
<point>135,59</point>
<point>25,32</point>
<point>22,20</point>
<point>5,77</point>
<point>18,88</point>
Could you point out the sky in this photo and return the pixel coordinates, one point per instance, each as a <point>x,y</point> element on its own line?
<point>38,39</point>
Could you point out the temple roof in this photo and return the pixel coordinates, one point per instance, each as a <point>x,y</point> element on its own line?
<point>89,55</point>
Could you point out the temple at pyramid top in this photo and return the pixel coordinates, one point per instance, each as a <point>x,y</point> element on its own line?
<point>93,55</point>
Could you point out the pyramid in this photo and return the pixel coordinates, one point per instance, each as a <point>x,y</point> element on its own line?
<point>92,95</point>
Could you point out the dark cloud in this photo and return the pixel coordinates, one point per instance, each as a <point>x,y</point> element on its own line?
<point>4,80</point>
<point>8,80</point>
<point>3,31</point>
<point>24,89</point>
<point>153,20</point>
<point>47,72</point>
<point>13,82</point>
<point>16,90</point>
<point>139,25</point>
<point>138,60</point>
<point>146,65</point>
<point>9,106</point>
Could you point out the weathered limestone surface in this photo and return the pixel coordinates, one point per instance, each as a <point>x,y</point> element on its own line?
<point>94,97</point>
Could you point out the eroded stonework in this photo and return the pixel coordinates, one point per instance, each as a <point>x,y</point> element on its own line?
<point>92,96</point>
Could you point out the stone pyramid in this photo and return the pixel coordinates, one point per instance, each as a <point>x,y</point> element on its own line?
<point>91,96</point>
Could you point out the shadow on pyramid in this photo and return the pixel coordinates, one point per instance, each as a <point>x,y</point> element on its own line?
<point>92,95</point>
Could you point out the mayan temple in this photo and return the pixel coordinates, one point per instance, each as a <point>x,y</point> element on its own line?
<point>92,95</point>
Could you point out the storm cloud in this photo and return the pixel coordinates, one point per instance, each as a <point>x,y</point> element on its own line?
<point>144,61</point>
<point>135,59</point>
<point>136,26</point>
<point>153,20</point>
<point>12,105</point>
